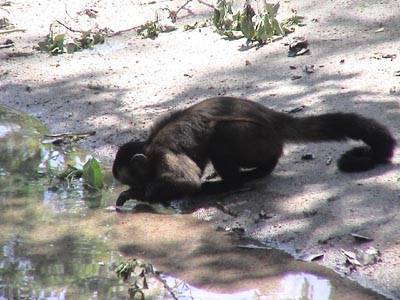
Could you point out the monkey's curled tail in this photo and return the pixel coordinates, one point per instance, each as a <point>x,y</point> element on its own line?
<point>341,126</point>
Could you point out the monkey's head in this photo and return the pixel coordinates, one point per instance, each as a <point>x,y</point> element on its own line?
<point>131,165</point>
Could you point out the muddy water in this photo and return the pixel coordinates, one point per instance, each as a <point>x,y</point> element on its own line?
<point>59,241</point>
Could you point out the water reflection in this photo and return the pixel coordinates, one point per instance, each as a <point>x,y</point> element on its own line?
<point>298,286</point>
<point>306,286</point>
<point>293,286</point>
<point>65,266</point>
<point>45,252</point>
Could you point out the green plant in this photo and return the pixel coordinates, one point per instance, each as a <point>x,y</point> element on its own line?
<point>149,30</point>
<point>90,173</point>
<point>295,19</point>
<point>260,27</point>
<point>140,272</point>
<point>69,40</point>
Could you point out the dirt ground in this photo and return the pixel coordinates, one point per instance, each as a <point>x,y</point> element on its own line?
<point>120,87</point>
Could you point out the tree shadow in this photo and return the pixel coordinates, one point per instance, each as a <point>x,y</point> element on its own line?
<point>311,199</point>
<point>215,261</point>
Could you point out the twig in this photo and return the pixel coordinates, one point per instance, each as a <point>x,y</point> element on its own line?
<point>66,10</point>
<point>188,1</point>
<point>69,28</point>
<point>206,4</point>
<point>183,6</point>
<point>6,46</point>
<point>60,135</point>
<point>11,30</point>
<point>5,3</point>
<point>123,30</point>
<point>179,9</point>
<point>166,286</point>
<point>66,138</point>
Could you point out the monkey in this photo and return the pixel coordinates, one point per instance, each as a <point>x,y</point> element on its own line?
<point>242,139</point>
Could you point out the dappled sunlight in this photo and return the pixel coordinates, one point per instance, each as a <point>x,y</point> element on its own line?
<point>63,243</point>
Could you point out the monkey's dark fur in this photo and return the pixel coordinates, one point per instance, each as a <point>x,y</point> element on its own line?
<point>235,134</point>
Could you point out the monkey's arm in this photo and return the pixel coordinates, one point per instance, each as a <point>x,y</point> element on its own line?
<point>130,194</point>
<point>169,188</point>
<point>162,190</point>
<point>176,177</point>
<point>216,187</point>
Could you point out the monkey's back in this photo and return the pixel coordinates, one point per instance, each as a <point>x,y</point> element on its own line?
<point>190,130</point>
<point>198,121</point>
<point>234,107</point>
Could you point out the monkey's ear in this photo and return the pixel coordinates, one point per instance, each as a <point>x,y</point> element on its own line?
<point>140,161</point>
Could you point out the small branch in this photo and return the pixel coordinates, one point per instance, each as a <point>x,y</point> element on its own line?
<point>11,30</point>
<point>69,134</point>
<point>5,3</point>
<point>6,46</point>
<point>188,1</point>
<point>206,4</point>
<point>123,30</point>
<point>166,286</point>
<point>69,28</point>
<point>183,6</point>
<point>178,10</point>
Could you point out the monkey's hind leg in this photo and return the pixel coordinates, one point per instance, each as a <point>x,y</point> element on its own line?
<point>259,172</point>
<point>242,152</point>
<point>233,177</point>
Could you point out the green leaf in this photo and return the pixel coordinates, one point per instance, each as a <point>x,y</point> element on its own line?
<point>278,28</point>
<point>219,13</point>
<point>43,46</point>
<point>55,45</point>
<point>216,18</point>
<point>71,48</point>
<point>149,30</point>
<point>261,32</point>
<point>59,39</point>
<point>246,22</point>
<point>98,39</point>
<point>259,27</point>
<point>247,28</point>
<point>92,175</point>
<point>272,9</point>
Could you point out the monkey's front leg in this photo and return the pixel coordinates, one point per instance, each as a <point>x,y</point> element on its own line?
<point>177,176</point>
<point>166,189</point>
<point>129,194</point>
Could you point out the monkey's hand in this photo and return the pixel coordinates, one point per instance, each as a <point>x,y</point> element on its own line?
<point>129,194</point>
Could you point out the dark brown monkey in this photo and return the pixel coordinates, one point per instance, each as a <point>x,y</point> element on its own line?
<point>235,134</point>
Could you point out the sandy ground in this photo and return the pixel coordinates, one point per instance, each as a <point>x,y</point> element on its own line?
<point>120,87</point>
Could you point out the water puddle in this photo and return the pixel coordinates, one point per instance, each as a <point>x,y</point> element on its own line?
<point>61,242</point>
<point>298,286</point>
